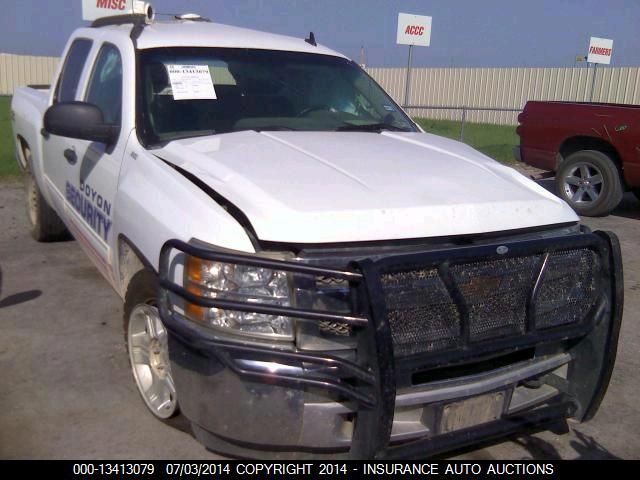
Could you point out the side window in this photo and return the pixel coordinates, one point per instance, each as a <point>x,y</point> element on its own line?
<point>73,65</point>
<point>105,86</point>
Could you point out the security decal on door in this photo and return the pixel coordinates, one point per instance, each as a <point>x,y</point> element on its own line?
<point>92,207</point>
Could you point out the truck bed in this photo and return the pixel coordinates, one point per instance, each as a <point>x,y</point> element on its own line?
<point>550,131</point>
<point>586,104</point>
<point>28,106</point>
<point>35,94</point>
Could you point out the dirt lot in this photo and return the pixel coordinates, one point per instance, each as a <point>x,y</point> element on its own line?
<point>66,389</point>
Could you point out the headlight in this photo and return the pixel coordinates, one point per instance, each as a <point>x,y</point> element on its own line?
<point>243,284</point>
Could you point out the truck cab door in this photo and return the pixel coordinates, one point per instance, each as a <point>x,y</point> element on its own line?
<point>92,177</point>
<point>57,150</point>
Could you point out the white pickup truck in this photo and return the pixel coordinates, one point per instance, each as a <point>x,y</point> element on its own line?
<point>305,272</point>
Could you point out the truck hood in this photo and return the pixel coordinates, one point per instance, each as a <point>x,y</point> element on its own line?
<point>326,187</point>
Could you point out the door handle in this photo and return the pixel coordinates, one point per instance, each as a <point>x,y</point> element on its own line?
<point>70,155</point>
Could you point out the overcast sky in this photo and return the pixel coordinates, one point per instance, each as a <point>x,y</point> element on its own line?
<point>465,32</point>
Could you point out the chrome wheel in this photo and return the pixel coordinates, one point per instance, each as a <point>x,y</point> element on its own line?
<point>149,355</point>
<point>583,183</point>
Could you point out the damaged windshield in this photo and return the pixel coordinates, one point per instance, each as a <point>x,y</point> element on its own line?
<point>189,92</point>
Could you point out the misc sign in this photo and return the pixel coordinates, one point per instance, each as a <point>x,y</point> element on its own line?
<point>414,29</point>
<point>93,9</point>
<point>600,50</point>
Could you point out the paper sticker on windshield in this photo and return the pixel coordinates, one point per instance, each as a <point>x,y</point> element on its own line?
<point>389,108</point>
<point>191,82</point>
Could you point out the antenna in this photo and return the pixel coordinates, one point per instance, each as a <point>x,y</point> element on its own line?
<point>311,40</point>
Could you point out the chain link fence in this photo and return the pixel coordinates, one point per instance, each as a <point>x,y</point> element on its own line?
<point>463,112</point>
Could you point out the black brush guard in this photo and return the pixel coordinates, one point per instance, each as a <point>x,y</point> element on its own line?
<point>371,380</point>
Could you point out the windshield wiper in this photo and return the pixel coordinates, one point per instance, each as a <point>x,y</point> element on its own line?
<point>191,134</point>
<point>272,128</point>
<point>371,127</point>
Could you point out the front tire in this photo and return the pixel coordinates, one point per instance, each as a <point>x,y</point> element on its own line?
<point>589,181</point>
<point>147,346</point>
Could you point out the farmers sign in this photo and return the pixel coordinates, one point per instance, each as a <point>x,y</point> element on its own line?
<point>414,30</point>
<point>600,50</point>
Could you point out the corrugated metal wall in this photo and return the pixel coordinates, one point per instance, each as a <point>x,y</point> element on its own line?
<point>19,70</point>
<point>505,88</point>
<point>470,87</point>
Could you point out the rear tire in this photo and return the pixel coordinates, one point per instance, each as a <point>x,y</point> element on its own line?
<point>45,224</point>
<point>146,340</point>
<point>589,181</point>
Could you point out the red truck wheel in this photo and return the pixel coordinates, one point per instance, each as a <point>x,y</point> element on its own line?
<point>589,181</point>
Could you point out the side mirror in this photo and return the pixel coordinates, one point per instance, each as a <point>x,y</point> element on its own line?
<point>79,120</point>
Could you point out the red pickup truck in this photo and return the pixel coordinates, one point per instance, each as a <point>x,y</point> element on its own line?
<point>593,148</point>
